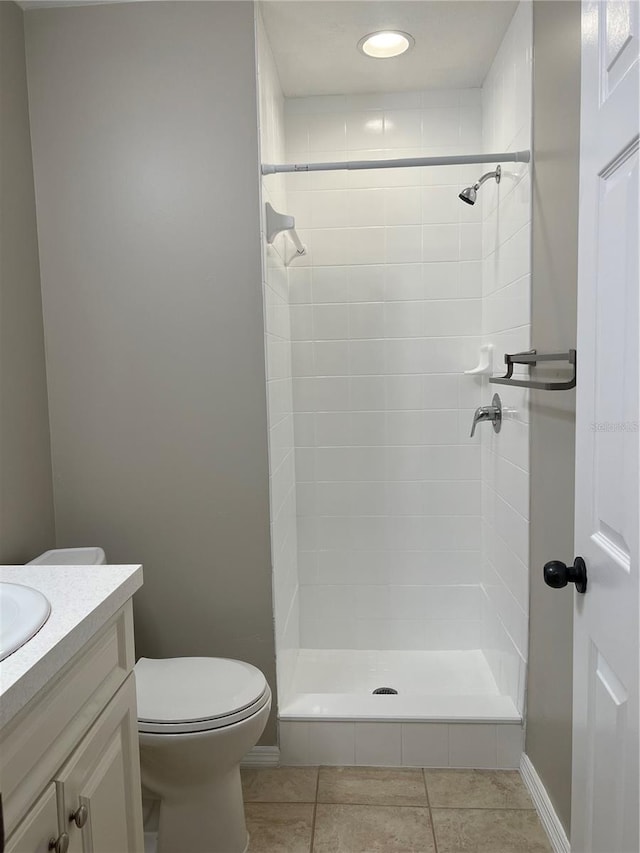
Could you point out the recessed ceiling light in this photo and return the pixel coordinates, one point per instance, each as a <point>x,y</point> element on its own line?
<point>385,44</point>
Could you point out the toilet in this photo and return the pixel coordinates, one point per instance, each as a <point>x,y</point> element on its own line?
<point>197,718</point>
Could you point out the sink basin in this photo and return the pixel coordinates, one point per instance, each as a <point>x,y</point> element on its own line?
<point>23,611</point>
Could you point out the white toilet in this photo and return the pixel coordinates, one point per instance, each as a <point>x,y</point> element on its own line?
<point>197,718</point>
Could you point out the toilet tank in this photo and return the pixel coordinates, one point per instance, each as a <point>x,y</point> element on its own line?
<point>70,557</point>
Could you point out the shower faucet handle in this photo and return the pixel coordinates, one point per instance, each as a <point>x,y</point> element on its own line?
<point>491,413</point>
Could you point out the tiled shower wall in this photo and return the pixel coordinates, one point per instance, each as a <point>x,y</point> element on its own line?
<point>506,321</point>
<point>386,314</point>
<point>279,385</point>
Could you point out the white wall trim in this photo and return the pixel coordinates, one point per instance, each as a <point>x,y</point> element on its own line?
<point>546,812</point>
<point>262,756</point>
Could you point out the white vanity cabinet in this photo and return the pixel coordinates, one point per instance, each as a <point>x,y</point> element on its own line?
<point>70,766</point>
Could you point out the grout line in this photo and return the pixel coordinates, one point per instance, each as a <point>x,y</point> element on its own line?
<point>433,828</point>
<point>279,802</point>
<point>392,805</point>
<point>315,810</point>
<point>484,809</point>
<point>381,805</point>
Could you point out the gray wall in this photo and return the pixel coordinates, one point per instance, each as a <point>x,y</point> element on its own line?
<point>146,163</point>
<point>556,127</point>
<point>26,498</point>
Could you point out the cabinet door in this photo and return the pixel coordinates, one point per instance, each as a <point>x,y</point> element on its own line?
<point>100,784</point>
<point>39,828</point>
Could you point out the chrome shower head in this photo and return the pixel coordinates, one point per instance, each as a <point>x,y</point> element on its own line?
<point>470,194</point>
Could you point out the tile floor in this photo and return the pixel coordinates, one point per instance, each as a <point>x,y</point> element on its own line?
<point>382,810</point>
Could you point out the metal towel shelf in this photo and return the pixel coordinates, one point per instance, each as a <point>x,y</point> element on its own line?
<point>532,358</point>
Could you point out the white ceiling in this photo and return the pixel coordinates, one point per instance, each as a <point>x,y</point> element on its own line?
<point>314,43</point>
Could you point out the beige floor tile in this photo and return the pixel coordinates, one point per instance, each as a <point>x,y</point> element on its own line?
<point>489,831</point>
<point>372,786</point>
<point>280,785</point>
<point>372,829</point>
<point>477,789</point>
<point>279,827</point>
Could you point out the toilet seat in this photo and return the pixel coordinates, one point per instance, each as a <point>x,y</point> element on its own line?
<point>188,695</point>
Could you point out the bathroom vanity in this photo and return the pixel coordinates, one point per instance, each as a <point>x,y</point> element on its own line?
<point>69,760</point>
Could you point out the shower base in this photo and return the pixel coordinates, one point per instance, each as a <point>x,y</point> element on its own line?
<point>448,711</point>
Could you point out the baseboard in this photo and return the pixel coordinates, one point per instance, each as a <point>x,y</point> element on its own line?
<point>546,812</point>
<point>262,756</point>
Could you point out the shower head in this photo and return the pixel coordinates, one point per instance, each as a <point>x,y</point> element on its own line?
<point>469,194</point>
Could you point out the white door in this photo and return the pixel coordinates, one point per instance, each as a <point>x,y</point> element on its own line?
<point>606,639</point>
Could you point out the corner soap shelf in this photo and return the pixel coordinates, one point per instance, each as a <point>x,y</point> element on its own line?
<point>278,222</point>
<point>485,365</point>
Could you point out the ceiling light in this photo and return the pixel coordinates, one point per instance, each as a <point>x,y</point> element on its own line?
<point>385,44</point>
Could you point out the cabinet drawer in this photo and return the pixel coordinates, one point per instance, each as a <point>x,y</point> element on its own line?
<point>41,737</point>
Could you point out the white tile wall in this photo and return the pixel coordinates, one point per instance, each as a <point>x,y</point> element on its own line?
<point>378,744</point>
<point>506,101</point>
<point>510,746</point>
<point>331,743</point>
<point>279,378</point>
<point>474,746</point>
<point>425,745</point>
<point>386,314</point>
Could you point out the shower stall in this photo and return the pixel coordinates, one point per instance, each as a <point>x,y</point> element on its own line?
<point>399,541</point>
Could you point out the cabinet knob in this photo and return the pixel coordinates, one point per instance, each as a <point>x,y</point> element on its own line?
<point>79,816</point>
<point>60,844</point>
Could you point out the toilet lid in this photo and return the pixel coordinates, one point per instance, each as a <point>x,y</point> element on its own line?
<point>189,690</point>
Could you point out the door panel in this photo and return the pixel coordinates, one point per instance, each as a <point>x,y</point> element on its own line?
<point>606,636</point>
<point>618,51</point>
<point>606,752</point>
<point>615,389</point>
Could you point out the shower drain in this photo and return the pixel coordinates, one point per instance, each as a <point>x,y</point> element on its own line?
<point>388,690</point>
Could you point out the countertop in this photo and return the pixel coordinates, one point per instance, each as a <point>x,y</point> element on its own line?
<point>83,599</point>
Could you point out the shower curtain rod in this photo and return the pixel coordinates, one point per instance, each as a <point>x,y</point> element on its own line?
<point>454,160</point>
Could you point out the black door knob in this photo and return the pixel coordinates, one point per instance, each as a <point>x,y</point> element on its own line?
<point>557,574</point>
